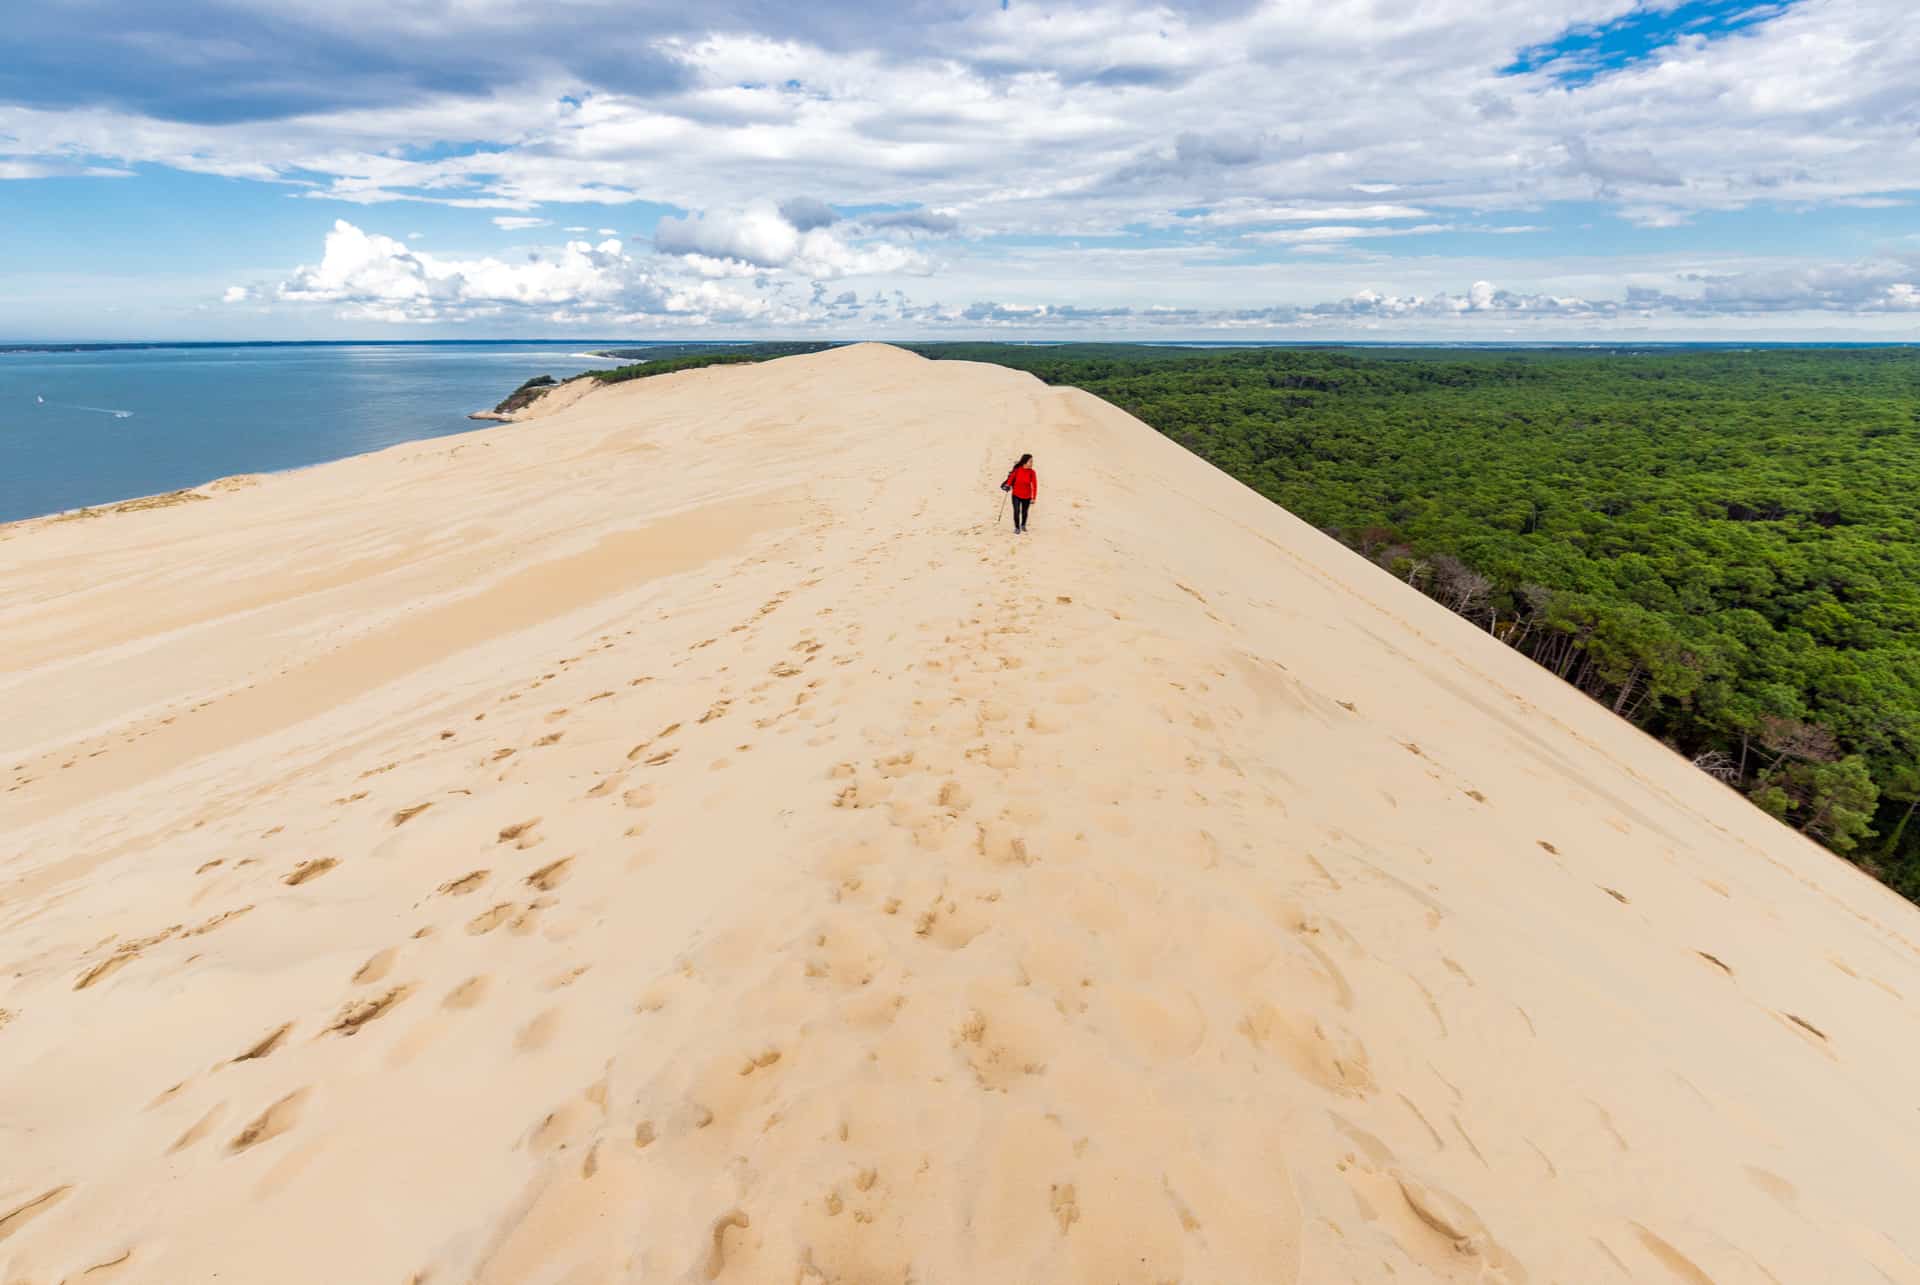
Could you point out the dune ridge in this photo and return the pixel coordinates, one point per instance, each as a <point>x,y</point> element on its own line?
<point>681,836</point>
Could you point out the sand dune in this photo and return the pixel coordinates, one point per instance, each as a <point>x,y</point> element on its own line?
<point>681,837</point>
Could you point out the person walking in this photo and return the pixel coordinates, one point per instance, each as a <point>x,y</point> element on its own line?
<point>1024,485</point>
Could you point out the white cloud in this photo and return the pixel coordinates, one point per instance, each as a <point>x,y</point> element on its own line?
<point>1245,212</point>
<point>1292,236</point>
<point>806,213</point>
<point>367,276</point>
<point>1889,287</point>
<point>12,168</point>
<point>521,222</point>
<point>236,294</point>
<point>758,235</point>
<point>762,236</point>
<point>1656,216</point>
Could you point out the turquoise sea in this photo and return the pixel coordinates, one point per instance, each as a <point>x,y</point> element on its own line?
<point>91,427</point>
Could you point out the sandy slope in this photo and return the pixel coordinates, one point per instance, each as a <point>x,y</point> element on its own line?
<point>683,838</point>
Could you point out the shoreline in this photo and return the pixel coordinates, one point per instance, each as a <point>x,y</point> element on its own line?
<point>191,492</point>
<point>487,420</point>
<point>162,499</point>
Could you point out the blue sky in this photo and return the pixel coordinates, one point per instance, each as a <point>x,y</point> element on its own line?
<point>1589,49</point>
<point>1472,169</point>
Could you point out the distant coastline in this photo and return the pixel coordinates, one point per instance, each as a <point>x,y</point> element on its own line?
<point>650,360</point>
<point>213,410</point>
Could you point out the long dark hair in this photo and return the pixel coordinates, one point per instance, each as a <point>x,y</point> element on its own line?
<point>1022,463</point>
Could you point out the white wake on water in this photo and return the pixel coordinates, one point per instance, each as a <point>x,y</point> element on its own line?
<point>97,410</point>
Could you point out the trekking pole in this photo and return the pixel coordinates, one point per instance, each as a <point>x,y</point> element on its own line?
<point>1003,509</point>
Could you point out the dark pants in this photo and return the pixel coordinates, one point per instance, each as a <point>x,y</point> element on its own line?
<point>1020,508</point>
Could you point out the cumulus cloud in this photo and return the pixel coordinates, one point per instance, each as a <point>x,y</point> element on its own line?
<point>1885,285</point>
<point>1041,313</point>
<point>806,214</point>
<point>763,236</point>
<point>759,235</point>
<point>521,222</point>
<point>365,275</point>
<point>1879,287</point>
<point>1482,297</point>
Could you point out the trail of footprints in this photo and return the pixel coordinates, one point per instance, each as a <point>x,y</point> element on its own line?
<point>949,827</point>
<point>947,832</point>
<point>950,836</point>
<point>374,994</point>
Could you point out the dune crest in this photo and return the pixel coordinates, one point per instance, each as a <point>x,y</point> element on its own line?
<point>683,837</point>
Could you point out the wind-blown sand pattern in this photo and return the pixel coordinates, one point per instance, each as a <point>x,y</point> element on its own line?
<point>681,837</point>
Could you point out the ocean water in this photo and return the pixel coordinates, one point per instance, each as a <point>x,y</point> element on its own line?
<point>81,428</point>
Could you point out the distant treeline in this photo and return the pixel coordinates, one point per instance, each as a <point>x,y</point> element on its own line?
<point>664,359</point>
<point>1721,547</point>
<point>658,359</point>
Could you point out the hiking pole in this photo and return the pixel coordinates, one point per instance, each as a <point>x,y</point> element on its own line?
<point>1003,509</point>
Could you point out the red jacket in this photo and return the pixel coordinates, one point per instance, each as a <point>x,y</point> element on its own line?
<point>1025,483</point>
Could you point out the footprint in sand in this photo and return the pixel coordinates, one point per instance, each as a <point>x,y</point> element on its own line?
<point>105,968</point>
<point>1329,1058</point>
<point>468,994</point>
<point>520,833</point>
<point>267,1045</point>
<point>376,967</point>
<point>405,815</point>
<point>123,954</point>
<point>488,920</point>
<point>309,870</point>
<point>224,917</point>
<point>465,884</point>
<point>538,1033</point>
<point>356,1014</point>
<point>22,1214</point>
<point>271,1123</point>
<point>198,1129</point>
<point>1669,1257</point>
<point>551,875</point>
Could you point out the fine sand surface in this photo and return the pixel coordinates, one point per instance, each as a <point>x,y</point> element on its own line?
<point>681,837</point>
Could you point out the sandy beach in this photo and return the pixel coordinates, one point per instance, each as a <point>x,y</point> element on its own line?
<point>684,836</point>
